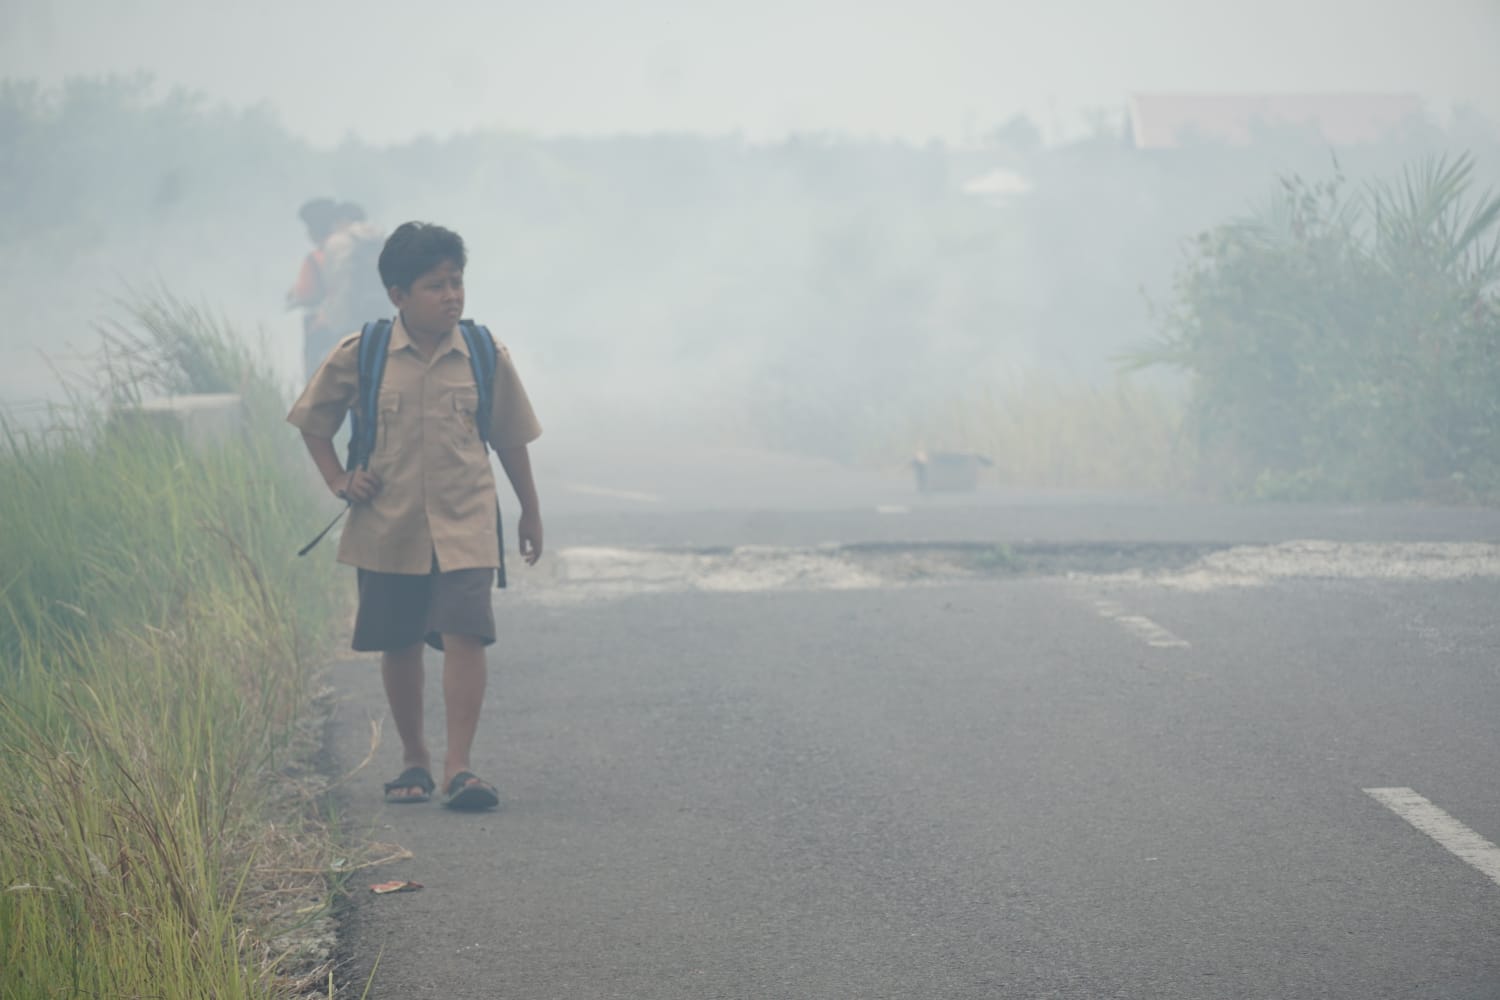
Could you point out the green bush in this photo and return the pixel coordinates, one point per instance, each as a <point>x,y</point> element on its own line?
<point>1345,344</point>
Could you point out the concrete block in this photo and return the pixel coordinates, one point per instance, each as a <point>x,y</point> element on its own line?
<point>202,420</point>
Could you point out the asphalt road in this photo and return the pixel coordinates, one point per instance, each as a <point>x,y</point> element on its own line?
<point>958,787</point>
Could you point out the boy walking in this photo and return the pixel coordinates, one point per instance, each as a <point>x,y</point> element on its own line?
<point>423,529</point>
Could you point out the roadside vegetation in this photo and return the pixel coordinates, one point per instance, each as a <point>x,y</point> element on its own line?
<point>1343,341</point>
<point>1065,435</point>
<point>157,691</point>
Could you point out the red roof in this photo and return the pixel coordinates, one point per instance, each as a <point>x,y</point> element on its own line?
<point>1164,121</point>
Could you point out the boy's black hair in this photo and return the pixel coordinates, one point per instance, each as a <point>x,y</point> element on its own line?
<point>416,248</point>
<point>319,215</point>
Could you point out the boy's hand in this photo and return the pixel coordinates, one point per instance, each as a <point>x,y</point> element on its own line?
<point>361,486</point>
<point>530,534</point>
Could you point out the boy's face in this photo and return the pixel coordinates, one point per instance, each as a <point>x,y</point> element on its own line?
<point>434,303</point>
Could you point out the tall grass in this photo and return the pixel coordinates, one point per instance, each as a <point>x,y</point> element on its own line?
<point>1046,433</point>
<point>156,637</point>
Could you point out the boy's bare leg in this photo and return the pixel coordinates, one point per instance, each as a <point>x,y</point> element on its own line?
<point>464,675</point>
<point>403,674</point>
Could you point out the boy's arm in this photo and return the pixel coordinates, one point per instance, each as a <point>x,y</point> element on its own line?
<point>359,487</point>
<point>320,411</point>
<point>516,462</point>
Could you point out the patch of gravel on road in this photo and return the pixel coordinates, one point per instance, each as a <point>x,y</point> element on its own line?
<point>604,573</point>
<point>596,572</point>
<point>592,573</point>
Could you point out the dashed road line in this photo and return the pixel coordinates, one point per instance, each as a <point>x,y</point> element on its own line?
<point>1462,842</point>
<point>1140,626</point>
<point>585,489</point>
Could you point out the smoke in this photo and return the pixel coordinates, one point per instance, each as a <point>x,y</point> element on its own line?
<point>943,69</point>
<point>801,229</point>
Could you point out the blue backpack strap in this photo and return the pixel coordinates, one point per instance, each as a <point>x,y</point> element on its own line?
<point>374,342</point>
<point>483,356</point>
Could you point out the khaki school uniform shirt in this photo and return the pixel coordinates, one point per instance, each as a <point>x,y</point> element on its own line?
<point>437,485</point>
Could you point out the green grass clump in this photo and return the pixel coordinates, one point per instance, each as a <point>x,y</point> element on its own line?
<point>156,642</point>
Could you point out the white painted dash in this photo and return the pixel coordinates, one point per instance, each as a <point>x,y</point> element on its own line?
<point>1462,842</point>
<point>588,490</point>
<point>1141,627</point>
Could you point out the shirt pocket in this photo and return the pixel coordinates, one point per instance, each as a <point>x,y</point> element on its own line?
<point>387,413</point>
<point>462,430</point>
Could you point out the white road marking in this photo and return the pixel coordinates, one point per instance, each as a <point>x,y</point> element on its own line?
<point>605,491</point>
<point>1142,627</point>
<point>1462,842</point>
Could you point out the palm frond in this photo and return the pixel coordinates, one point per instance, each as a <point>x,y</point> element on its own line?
<point>1426,217</point>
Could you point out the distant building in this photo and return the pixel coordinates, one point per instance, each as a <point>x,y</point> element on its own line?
<point>1167,121</point>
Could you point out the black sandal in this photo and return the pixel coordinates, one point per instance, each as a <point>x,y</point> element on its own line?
<point>412,777</point>
<point>468,793</point>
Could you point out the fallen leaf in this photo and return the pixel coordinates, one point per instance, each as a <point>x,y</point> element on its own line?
<point>382,888</point>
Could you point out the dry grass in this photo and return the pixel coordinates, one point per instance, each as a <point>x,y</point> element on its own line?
<point>1044,433</point>
<point>162,833</point>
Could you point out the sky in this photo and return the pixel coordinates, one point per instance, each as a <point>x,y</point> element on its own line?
<point>936,69</point>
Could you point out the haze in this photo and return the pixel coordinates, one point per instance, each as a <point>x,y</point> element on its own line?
<point>945,68</point>
<point>840,230</point>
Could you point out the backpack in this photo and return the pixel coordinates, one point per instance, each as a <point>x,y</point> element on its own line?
<point>352,289</point>
<point>368,295</point>
<point>374,343</point>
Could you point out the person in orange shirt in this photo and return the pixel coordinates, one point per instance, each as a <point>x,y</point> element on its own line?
<point>321,217</point>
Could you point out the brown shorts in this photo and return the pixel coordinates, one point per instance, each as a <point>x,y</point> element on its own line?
<point>397,610</point>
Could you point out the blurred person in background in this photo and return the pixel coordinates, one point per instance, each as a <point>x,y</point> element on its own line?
<point>338,287</point>
<point>353,293</point>
<point>320,216</point>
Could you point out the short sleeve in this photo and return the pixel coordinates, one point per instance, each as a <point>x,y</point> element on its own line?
<point>321,409</point>
<point>512,421</point>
